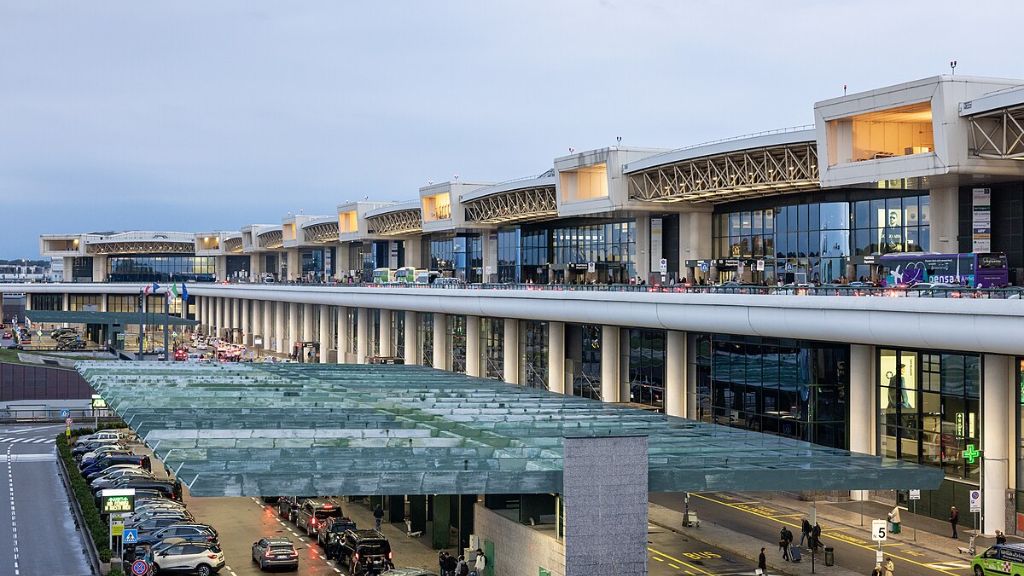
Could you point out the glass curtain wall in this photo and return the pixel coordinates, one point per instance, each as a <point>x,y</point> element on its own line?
<point>535,257</point>
<point>81,269</point>
<point>426,330</point>
<point>533,344</point>
<point>492,331</point>
<point>456,331</point>
<point>586,381</point>
<point>792,388</point>
<point>398,319</point>
<point>647,367</point>
<point>611,247</point>
<point>161,268</point>
<point>47,301</point>
<point>509,261</point>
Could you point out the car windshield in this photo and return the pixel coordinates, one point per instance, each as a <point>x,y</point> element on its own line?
<point>374,548</point>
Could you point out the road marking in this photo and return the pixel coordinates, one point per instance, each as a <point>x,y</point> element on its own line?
<point>838,536</point>
<point>951,565</point>
<point>658,553</point>
<point>676,566</point>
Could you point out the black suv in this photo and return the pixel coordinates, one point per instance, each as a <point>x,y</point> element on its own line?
<point>363,551</point>
<point>332,530</point>
<point>288,507</point>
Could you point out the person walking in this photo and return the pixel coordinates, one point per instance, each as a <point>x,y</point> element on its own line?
<point>463,568</point>
<point>481,562</point>
<point>877,570</point>
<point>762,564</point>
<point>442,562</point>
<point>451,564</point>
<point>954,519</point>
<point>816,536</point>
<point>1000,537</point>
<point>890,568</point>
<point>378,516</point>
<point>805,531</point>
<point>785,541</point>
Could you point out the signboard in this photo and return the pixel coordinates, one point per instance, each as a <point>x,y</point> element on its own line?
<point>98,402</point>
<point>981,220</point>
<point>257,340</point>
<point>139,568</point>
<point>118,500</point>
<point>915,494</point>
<point>65,413</point>
<point>116,525</point>
<point>760,265</point>
<point>591,267</point>
<point>975,501</point>
<point>879,530</point>
<point>130,536</point>
<point>663,266</point>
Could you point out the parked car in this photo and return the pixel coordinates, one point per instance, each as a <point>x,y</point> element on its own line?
<point>275,553</point>
<point>288,507</point>
<point>110,469</point>
<point>364,552</point>
<point>184,532</point>
<point>189,558</point>
<point>105,462</point>
<point>333,529</point>
<point>314,512</point>
<point>107,480</point>
<point>153,524</point>
<point>409,572</point>
<point>92,445</point>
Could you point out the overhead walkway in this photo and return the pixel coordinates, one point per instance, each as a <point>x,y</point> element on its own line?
<point>395,219</point>
<point>523,200</point>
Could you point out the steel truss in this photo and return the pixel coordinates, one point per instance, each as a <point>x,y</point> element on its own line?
<point>141,248</point>
<point>322,233</point>
<point>731,176</point>
<point>271,239</point>
<point>233,245</point>
<point>395,223</point>
<point>998,134</point>
<point>513,206</point>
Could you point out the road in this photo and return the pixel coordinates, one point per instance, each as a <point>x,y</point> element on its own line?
<point>854,549</point>
<point>35,512</point>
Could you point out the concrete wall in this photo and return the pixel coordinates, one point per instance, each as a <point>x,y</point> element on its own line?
<point>519,550</point>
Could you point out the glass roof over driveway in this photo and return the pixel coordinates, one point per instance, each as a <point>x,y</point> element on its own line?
<point>294,429</point>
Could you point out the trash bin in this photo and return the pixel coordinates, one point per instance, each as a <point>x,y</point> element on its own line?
<point>830,556</point>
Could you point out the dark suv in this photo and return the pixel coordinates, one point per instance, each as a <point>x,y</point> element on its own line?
<point>363,551</point>
<point>288,507</point>
<point>315,512</point>
<point>332,530</point>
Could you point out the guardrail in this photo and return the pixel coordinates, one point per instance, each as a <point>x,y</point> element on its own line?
<point>13,414</point>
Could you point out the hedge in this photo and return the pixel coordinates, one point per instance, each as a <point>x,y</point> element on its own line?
<point>99,529</point>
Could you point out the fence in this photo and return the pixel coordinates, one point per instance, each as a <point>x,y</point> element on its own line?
<point>23,382</point>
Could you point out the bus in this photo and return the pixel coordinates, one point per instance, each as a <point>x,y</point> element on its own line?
<point>974,270</point>
<point>383,276</point>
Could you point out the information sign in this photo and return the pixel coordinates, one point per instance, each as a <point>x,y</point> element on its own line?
<point>131,536</point>
<point>915,494</point>
<point>115,501</point>
<point>879,531</point>
<point>65,413</point>
<point>975,501</point>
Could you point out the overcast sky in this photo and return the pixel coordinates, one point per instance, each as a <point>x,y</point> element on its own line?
<point>211,115</point>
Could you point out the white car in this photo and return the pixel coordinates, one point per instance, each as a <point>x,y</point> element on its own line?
<point>197,558</point>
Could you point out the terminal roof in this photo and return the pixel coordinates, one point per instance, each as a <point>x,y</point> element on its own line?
<point>294,429</point>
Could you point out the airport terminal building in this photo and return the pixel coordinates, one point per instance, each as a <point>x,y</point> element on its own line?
<point>578,280</point>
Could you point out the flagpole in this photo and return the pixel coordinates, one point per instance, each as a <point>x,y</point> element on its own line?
<point>167,319</point>
<point>142,317</point>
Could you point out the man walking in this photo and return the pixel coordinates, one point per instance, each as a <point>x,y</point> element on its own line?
<point>762,564</point>
<point>954,518</point>
<point>805,531</point>
<point>378,517</point>
<point>785,541</point>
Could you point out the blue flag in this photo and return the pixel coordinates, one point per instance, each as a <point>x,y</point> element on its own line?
<point>184,293</point>
<point>155,287</point>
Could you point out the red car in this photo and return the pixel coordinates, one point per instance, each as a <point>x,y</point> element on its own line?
<point>181,354</point>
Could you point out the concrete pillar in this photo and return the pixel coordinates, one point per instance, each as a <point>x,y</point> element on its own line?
<point>280,338</point>
<point>643,246</point>
<point>218,319</point>
<point>510,344</point>
<point>325,332</point>
<point>610,363</point>
<point>307,322</point>
<point>473,355</point>
<point>246,326</point>
<point>863,405</point>
<point>414,252</point>
<point>268,324</point>
<point>220,267</point>
<point>99,268</point>
<point>997,391</point>
<point>256,321</point>
<point>236,321</point>
<point>293,327</point>
<point>694,238</point>
<point>556,358</point>
<point>255,266</point>
<point>342,333</point>
<point>362,334</point>
<point>675,373</point>
<point>387,347</point>
<point>294,264</point>
<point>691,376</point>
<point>69,269</point>
<point>945,220</point>
<point>412,337</point>
<point>625,394</point>
<point>440,341</point>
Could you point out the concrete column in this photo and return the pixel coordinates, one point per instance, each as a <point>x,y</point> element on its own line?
<point>246,326</point>
<point>280,338</point>
<point>220,267</point>
<point>610,363</point>
<point>103,301</point>
<point>412,337</point>
<point>236,321</point>
<point>99,268</point>
<point>362,334</point>
<point>556,358</point>
<point>863,406</point>
<point>945,220</point>
<point>293,327</point>
<point>255,265</point>
<point>268,324</point>
<point>997,392</point>
<point>294,264</point>
<point>69,269</point>
<point>256,321</point>
<point>414,252</point>
<point>440,341</point>
<point>675,373</point>
<point>325,332</point>
<point>624,380</point>
<point>218,316</point>
<point>694,238</point>
<point>691,376</point>
<point>307,322</point>
<point>473,354</point>
<point>643,246</point>
<point>510,361</point>
<point>342,333</point>
<point>387,347</point>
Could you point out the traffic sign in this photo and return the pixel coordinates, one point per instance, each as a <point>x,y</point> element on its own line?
<point>130,536</point>
<point>915,494</point>
<point>663,265</point>
<point>139,568</point>
<point>65,413</point>
<point>975,501</point>
<point>879,531</point>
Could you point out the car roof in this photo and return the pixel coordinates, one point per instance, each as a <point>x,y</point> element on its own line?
<point>278,541</point>
<point>367,533</point>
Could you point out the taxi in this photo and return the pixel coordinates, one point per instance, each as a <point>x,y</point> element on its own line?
<point>1001,559</point>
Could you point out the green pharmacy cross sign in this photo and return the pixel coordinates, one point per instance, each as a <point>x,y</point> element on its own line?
<point>971,454</point>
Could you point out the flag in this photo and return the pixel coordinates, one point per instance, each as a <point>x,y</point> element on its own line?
<point>156,288</point>
<point>173,290</point>
<point>184,292</point>
<point>170,296</point>
<point>147,289</point>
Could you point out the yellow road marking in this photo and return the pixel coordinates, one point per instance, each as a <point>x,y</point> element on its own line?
<point>677,560</point>
<point>835,535</point>
<point>676,566</point>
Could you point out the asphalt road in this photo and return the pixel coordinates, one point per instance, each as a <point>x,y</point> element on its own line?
<point>37,530</point>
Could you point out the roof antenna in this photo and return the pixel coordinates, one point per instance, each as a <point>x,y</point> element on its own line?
<point>952,66</point>
<point>618,141</point>
<point>844,89</point>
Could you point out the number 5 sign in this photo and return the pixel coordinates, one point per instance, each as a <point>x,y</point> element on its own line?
<point>879,531</point>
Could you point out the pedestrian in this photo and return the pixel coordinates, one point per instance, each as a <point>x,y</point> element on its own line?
<point>147,464</point>
<point>378,516</point>
<point>877,571</point>
<point>481,562</point>
<point>451,564</point>
<point>1000,537</point>
<point>442,561</point>
<point>954,518</point>
<point>463,568</point>
<point>762,564</point>
<point>816,536</point>
<point>805,531</point>
<point>890,568</point>
<point>785,541</point>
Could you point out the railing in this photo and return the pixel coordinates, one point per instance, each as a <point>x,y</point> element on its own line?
<point>13,414</point>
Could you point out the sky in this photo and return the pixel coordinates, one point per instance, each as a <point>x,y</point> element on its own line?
<point>210,115</point>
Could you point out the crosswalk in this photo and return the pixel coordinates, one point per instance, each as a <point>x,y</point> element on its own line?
<point>15,458</point>
<point>954,565</point>
<point>20,440</point>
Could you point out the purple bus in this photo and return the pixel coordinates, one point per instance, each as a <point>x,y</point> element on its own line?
<point>974,270</point>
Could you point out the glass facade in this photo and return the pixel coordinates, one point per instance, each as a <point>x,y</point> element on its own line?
<point>929,406</point>
<point>456,331</point>
<point>161,268</point>
<point>533,346</point>
<point>85,302</point>
<point>458,256</point>
<point>611,247</point>
<point>824,240</point>
<point>509,261</point>
<point>492,331</point>
<point>792,388</point>
<point>426,330</point>
<point>647,367</point>
<point>47,302</point>
<point>81,269</point>
<point>586,381</point>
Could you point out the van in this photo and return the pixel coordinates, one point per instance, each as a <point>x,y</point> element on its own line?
<point>1000,560</point>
